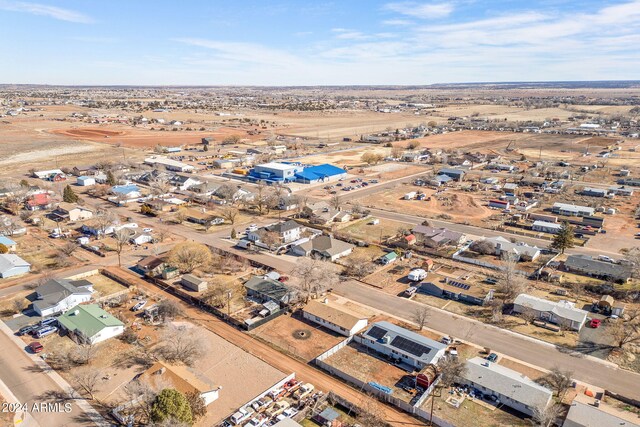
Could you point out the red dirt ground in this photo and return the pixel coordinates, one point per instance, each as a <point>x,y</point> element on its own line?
<point>145,138</point>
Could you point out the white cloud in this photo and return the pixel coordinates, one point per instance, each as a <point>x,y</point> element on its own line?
<point>421,10</point>
<point>45,10</point>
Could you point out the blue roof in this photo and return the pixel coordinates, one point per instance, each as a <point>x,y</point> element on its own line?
<point>125,189</point>
<point>6,241</point>
<point>321,171</point>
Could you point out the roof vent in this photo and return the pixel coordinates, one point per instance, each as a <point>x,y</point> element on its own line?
<point>76,312</point>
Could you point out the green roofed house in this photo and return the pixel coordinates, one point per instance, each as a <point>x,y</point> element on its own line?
<point>388,258</point>
<point>90,324</point>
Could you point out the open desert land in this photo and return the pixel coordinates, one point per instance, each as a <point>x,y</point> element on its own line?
<point>337,123</point>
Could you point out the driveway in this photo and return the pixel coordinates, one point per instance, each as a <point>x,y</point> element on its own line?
<point>595,341</point>
<point>28,317</point>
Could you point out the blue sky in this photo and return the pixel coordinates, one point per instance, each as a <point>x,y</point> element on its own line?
<point>299,42</point>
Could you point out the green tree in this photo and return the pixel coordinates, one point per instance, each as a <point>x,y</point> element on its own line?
<point>3,249</point>
<point>68,195</point>
<point>171,405</point>
<point>111,180</point>
<point>564,239</point>
<point>234,233</point>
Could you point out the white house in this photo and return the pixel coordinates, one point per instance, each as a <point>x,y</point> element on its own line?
<point>85,181</point>
<point>287,231</point>
<point>546,227</point>
<point>12,265</point>
<point>169,164</point>
<point>563,312</point>
<point>334,318</point>
<point>324,246</point>
<point>402,345</point>
<point>59,295</point>
<point>511,388</point>
<point>90,324</point>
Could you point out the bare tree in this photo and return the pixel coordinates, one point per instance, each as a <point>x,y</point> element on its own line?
<point>230,213</point>
<point>370,413</point>
<point>558,380</point>
<point>182,344</point>
<point>103,220</point>
<point>121,237</point>
<point>420,316</point>
<point>263,199</point>
<point>87,381</point>
<point>83,353</point>
<point>187,256</point>
<point>315,276</point>
<point>142,396</point>
<point>68,248</point>
<point>450,370</point>
<point>169,309</point>
<point>510,282</point>
<point>545,416</point>
<point>624,333</point>
<point>336,202</point>
<point>358,266</point>
<point>496,306</point>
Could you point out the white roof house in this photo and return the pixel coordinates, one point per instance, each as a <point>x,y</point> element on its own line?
<point>12,265</point>
<point>169,164</point>
<point>561,312</point>
<point>572,210</point>
<point>46,174</point>
<point>512,388</point>
<point>334,318</point>
<point>585,415</point>
<point>546,227</point>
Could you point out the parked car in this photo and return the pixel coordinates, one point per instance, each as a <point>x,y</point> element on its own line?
<point>256,422</point>
<point>36,347</point>
<point>252,227</point>
<point>492,357</point>
<point>46,331</point>
<point>410,291</point>
<point>606,258</point>
<point>49,321</point>
<point>139,306</point>
<point>446,340</point>
<point>29,329</point>
<point>595,323</point>
<point>242,415</point>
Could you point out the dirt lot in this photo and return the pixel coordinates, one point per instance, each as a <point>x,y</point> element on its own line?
<point>104,286</point>
<point>363,230</point>
<point>360,362</point>
<point>453,205</point>
<point>297,336</point>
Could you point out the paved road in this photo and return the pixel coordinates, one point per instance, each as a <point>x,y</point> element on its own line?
<point>280,361</point>
<point>547,356</point>
<point>31,385</point>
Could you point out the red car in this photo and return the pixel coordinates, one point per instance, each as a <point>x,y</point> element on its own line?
<point>595,323</point>
<point>36,347</point>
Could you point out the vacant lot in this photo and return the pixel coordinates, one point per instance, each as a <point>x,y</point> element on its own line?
<point>364,230</point>
<point>297,336</point>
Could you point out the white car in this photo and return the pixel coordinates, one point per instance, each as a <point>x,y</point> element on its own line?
<point>147,230</point>
<point>252,227</point>
<point>139,305</point>
<point>606,258</point>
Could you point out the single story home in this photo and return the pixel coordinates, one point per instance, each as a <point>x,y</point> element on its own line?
<point>85,181</point>
<point>12,265</point>
<point>457,291</point>
<point>128,192</point>
<point>10,244</point>
<point>586,415</point>
<point>71,212</point>
<point>546,227</point>
<point>563,313</point>
<point>38,201</point>
<point>90,324</point>
<point>510,387</point>
<point>587,265</point>
<point>572,210</point>
<point>181,378</point>
<point>335,318</point>
<point>437,237</point>
<point>402,345</point>
<point>141,238</point>
<point>324,246</point>
<point>264,289</point>
<point>456,174</point>
<point>388,258</point>
<point>521,251</point>
<point>151,265</point>
<point>194,283</point>
<point>59,295</point>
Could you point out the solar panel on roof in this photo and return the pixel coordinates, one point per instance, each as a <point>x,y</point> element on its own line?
<point>459,285</point>
<point>377,332</point>
<point>409,346</point>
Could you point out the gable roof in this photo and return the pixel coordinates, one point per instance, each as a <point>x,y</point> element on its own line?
<point>594,266</point>
<point>269,288</point>
<point>507,382</point>
<point>9,261</point>
<point>439,235</point>
<point>326,245</point>
<point>56,290</point>
<point>584,415</point>
<point>395,335</point>
<point>182,378</point>
<point>563,309</point>
<point>332,314</point>
<point>283,227</point>
<point>88,319</point>
<point>518,248</point>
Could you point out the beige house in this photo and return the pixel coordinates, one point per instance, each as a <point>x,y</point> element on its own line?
<point>71,212</point>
